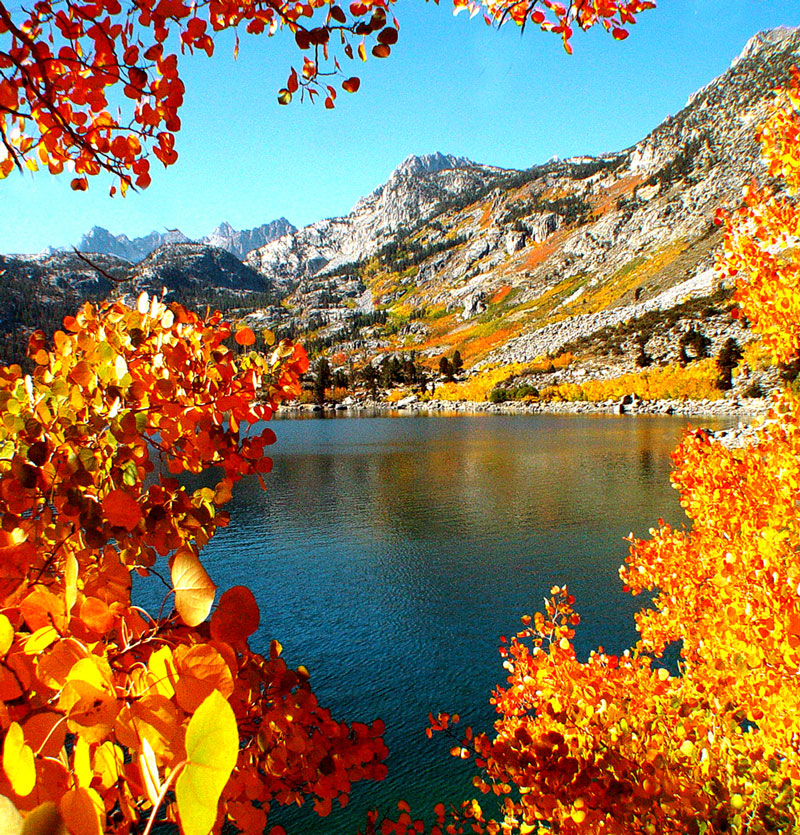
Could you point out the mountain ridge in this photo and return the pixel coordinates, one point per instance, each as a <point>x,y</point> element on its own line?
<point>237,242</point>
<point>506,265</point>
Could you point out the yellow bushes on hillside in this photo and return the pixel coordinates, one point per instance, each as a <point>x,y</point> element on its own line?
<point>478,387</point>
<point>671,382</point>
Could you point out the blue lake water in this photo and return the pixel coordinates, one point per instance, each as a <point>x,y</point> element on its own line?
<point>388,555</point>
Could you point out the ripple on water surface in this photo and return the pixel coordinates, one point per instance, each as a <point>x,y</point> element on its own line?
<point>388,555</point>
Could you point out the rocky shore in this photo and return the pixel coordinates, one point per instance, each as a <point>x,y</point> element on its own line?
<point>629,405</point>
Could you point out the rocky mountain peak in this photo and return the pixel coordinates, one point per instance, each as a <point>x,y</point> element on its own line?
<point>413,165</point>
<point>223,230</point>
<point>416,190</point>
<point>101,240</point>
<point>239,243</point>
<point>780,35</point>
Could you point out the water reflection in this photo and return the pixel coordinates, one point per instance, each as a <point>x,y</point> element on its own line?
<point>388,556</point>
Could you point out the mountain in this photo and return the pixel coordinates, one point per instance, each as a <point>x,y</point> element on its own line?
<point>507,266</point>
<point>38,292</point>
<point>188,265</point>
<point>239,243</point>
<point>416,190</point>
<point>100,240</point>
<point>608,257</point>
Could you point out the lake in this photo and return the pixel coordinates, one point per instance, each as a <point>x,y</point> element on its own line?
<point>389,554</point>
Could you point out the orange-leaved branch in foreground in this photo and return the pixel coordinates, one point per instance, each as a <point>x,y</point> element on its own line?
<point>111,716</point>
<point>91,87</point>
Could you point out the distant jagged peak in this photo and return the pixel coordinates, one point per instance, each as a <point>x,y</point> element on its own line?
<point>413,166</point>
<point>224,229</point>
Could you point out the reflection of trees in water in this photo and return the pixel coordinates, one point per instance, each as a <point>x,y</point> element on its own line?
<point>523,475</point>
<point>417,480</point>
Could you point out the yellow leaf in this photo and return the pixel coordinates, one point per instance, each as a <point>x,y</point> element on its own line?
<point>93,670</point>
<point>44,820</point>
<point>40,640</point>
<point>161,667</point>
<point>81,764</point>
<point>10,818</point>
<point>194,590</point>
<point>120,367</point>
<point>108,764</point>
<point>212,746</point>
<point>6,634</point>
<point>88,699</point>
<point>18,761</point>
<point>31,164</point>
<point>71,581</point>
<point>149,768</point>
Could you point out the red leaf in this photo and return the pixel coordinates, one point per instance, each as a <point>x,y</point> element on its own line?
<point>236,617</point>
<point>244,336</point>
<point>122,510</point>
<point>351,85</point>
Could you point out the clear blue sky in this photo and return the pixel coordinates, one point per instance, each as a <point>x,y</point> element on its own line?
<point>452,85</point>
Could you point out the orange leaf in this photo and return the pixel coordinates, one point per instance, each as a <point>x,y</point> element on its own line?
<point>80,813</point>
<point>201,670</point>
<point>244,336</point>
<point>96,615</point>
<point>194,590</point>
<point>351,85</point>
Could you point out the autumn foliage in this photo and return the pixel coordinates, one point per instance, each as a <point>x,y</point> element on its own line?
<point>64,63</point>
<point>113,717</point>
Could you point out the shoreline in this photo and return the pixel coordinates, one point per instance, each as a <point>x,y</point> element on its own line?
<point>630,406</point>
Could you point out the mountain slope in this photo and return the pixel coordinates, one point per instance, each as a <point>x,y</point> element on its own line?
<point>512,265</point>
<point>39,292</point>
<point>416,190</point>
